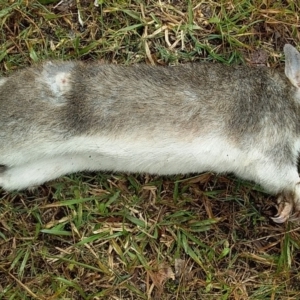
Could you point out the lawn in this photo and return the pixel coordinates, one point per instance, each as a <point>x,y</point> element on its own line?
<point>139,236</point>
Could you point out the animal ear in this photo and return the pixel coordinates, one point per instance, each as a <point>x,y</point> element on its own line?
<point>292,64</point>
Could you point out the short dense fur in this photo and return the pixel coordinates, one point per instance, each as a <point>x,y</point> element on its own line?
<point>63,117</point>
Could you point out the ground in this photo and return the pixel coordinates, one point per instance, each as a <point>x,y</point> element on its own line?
<point>135,236</point>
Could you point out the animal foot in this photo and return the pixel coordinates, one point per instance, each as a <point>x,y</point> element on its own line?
<point>285,208</point>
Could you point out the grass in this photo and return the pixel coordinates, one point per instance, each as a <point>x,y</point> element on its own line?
<point>132,236</point>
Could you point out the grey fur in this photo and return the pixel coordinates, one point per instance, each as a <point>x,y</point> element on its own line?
<point>254,109</point>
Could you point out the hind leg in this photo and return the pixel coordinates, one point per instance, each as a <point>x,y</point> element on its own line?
<point>284,181</point>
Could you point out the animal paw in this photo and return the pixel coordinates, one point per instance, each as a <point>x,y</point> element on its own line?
<point>285,208</point>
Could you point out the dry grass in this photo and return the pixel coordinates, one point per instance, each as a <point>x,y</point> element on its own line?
<point>121,236</point>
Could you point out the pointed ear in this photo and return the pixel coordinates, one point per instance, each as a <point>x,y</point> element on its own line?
<point>292,64</point>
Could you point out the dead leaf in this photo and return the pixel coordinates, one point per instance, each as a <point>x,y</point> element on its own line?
<point>160,274</point>
<point>179,267</point>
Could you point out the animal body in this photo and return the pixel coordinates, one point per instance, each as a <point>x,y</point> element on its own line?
<point>62,117</point>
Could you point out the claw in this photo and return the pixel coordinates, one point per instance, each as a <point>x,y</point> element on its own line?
<point>284,211</point>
